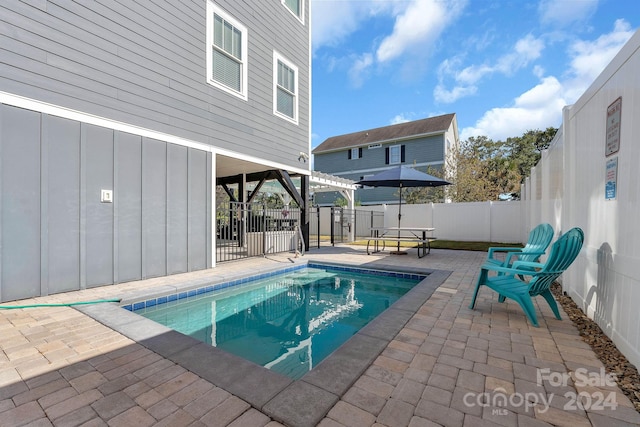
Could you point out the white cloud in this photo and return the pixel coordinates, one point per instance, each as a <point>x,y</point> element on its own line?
<point>538,108</point>
<point>359,69</point>
<point>441,94</point>
<point>527,49</point>
<point>420,23</point>
<point>562,13</point>
<point>465,81</point>
<point>335,20</point>
<point>401,118</point>
<point>541,106</point>
<point>589,58</point>
<point>332,22</point>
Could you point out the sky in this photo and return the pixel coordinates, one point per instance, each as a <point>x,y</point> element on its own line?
<point>503,66</point>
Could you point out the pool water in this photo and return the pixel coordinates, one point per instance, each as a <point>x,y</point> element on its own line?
<point>288,322</point>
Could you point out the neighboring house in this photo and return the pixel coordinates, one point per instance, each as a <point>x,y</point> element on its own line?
<point>422,144</point>
<point>117,120</point>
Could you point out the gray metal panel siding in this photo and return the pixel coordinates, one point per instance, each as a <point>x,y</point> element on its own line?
<point>63,195</point>
<point>154,207</point>
<point>177,202</point>
<point>98,175</point>
<point>55,233</point>
<point>198,184</point>
<point>144,64</point>
<point>19,203</point>
<point>128,201</point>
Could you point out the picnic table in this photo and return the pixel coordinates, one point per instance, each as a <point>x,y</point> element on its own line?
<point>416,235</point>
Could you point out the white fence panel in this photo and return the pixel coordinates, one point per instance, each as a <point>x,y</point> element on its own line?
<point>480,221</point>
<point>605,279</point>
<point>462,221</point>
<point>414,215</point>
<point>507,223</point>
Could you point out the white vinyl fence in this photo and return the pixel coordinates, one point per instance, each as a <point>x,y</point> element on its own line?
<point>470,222</point>
<point>589,178</point>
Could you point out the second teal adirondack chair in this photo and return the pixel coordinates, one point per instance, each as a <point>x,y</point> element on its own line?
<point>539,239</point>
<point>509,282</point>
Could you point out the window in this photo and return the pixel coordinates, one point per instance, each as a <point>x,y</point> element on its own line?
<point>226,52</point>
<point>354,153</point>
<point>296,7</point>
<point>394,154</point>
<point>285,99</point>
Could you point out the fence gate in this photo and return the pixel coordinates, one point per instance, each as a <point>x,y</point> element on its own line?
<point>251,229</point>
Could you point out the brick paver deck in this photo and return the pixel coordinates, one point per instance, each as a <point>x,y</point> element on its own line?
<point>448,365</point>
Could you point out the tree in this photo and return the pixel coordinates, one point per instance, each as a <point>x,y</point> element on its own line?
<point>470,166</point>
<point>526,150</point>
<point>481,169</point>
<point>425,194</point>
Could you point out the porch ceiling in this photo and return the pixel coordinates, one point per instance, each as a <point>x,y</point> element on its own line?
<point>319,182</point>
<point>231,166</point>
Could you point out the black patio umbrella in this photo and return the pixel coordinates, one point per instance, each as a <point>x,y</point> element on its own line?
<point>401,177</point>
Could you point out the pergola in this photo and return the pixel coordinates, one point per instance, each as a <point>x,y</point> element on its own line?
<point>289,187</point>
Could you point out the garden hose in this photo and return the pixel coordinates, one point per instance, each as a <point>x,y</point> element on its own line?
<point>68,304</point>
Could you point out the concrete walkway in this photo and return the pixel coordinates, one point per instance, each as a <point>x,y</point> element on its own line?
<point>444,365</point>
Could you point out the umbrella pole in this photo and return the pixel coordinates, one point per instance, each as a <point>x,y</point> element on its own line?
<point>399,217</point>
<point>397,252</point>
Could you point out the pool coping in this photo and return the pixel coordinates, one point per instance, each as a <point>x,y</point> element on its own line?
<point>301,402</point>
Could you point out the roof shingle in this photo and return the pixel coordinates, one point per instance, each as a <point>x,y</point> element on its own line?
<point>386,133</point>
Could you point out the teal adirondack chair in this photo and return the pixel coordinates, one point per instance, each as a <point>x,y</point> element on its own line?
<point>510,283</point>
<point>539,240</point>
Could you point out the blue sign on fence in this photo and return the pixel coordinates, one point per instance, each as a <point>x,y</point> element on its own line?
<point>612,179</point>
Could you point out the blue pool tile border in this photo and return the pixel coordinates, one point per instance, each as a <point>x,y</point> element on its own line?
<point>210,288</point>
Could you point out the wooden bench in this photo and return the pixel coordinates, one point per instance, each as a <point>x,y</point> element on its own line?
<point>422,244</point>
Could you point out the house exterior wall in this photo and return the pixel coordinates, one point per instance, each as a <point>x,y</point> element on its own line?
<point>144,63</point>
<point>114,96</point>
<point>422,153</point>
<point>56,234</point>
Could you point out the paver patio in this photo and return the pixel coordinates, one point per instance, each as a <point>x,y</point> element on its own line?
<point>448,365</point>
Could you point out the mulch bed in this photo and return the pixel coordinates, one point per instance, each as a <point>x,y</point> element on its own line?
<point>615,362</point>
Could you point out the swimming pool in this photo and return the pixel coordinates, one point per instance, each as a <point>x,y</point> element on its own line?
<point>287,322</point>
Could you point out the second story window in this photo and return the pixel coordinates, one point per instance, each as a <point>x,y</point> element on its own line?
<point>394,154</point>
<point>296,7</point>
<point>285,88</point>
<point>226,52</point>
<point>355,153</point>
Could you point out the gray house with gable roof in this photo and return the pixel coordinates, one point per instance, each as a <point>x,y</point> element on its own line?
<point>421,144</point>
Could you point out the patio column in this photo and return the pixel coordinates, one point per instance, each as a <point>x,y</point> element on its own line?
<point>304,209</point>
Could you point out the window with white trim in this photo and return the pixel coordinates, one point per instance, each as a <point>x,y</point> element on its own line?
<point>296,7</point>
<point>226,52</point>
<point>354,153</point>
<point>394,154</point>
<point>285,88</point>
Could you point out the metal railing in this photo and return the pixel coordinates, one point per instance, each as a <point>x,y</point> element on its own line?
<point>331,225</point>
<point>251,229</point>
<point>246,230</point>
